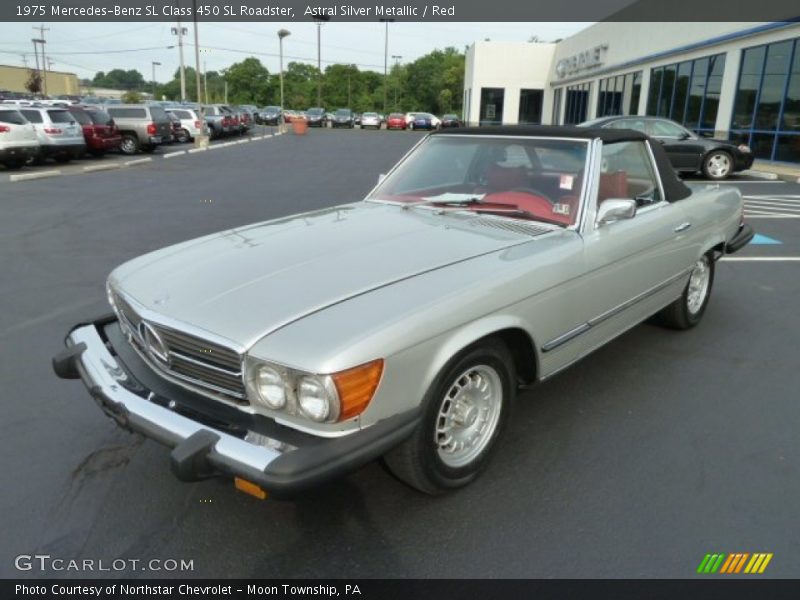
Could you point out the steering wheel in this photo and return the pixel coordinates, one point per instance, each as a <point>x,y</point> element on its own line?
<point>533,192</point>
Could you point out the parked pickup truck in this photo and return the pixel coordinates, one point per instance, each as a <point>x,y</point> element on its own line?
<point>143,127</point>
<point>219,120</point>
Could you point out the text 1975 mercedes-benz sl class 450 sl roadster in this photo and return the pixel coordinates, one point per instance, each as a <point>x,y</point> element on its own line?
<point>293,351</point>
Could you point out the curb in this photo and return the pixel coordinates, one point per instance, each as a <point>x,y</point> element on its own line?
<point>108,167</point>
<point>29,176</point>
<point>759,174</point>
<point>174,154</point>
<point>138,161</point>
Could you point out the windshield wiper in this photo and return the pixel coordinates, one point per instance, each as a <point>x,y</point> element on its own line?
<point>448,199</point>
<point>520,212</point>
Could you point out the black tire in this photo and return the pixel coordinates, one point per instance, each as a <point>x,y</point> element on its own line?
<point>129,144</point>
<point>418,461</point>
<point>183,136</point>
<point>683,313</point>
<point>15,164</point>
<point>717,165</point>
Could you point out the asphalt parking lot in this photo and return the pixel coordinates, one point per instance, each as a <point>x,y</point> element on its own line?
<point>657,449</point>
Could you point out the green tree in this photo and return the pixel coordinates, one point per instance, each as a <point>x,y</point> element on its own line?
<point>249,82</point>
<point>300,86</point>
<point>34,82</point>
<point>119,79</point>
<point>424,80</point>
<point>131,97</point>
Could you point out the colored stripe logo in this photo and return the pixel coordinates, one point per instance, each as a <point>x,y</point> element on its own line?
<point>733,563</point>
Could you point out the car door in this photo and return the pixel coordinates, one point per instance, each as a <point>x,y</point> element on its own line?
<point>684,150</point>
<point>634,266</point>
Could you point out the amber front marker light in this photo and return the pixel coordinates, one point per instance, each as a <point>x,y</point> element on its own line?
<point>356,387</point>
<point>250,488</point>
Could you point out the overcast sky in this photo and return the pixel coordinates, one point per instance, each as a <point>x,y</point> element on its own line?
<point>85,48</point>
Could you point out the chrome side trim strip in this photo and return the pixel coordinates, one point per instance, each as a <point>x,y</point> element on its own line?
<point>584,327</point>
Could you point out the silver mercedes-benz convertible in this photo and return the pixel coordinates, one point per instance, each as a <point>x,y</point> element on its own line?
<point>290,352</point>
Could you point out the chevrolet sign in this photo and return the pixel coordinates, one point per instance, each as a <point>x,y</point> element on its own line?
<point>582,61</point>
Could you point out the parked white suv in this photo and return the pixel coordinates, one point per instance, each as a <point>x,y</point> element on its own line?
<point>18,141</point>
<point>60,135</point>
<point>191,124</point>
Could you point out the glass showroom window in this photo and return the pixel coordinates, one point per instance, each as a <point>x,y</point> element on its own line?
<point>492,106</point>
<point>766,113</point>
<point>619,95</point>
<point>530,107</point>
<point>556,116</point>
<point>688,92</point>
<point>577,103</point>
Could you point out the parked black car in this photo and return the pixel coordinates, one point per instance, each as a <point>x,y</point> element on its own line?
<point>687,151</point>
<point>343,118</point>
<point>316,117</point>
<point>269,115</point>
<point>451,121</point>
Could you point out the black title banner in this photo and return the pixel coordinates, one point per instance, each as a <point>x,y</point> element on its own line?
<point>405,589</point>
<point>399,10</point>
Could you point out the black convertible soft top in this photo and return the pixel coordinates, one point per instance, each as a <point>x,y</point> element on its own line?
<point>674,188</point>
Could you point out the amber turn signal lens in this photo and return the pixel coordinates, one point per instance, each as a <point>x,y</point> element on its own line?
<point>356,387</point>
<point>250,488</point>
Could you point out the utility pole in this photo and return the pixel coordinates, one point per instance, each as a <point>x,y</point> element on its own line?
<point>226,91</point>
<point>319,20</point>
<point>180,31</point>
<point>154,65</point>
<point>396,58</point>
<point>42,41</point>
<point>36,54</point>
<point>24,60</point>
<point>201,139</point>
<point>205,80</point>
<point>385,60</point>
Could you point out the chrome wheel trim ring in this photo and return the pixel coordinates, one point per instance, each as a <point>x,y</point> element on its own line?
<point>699,282</point>
<point>128,146</point>
<point>468,416</point>
<point>719,165</point>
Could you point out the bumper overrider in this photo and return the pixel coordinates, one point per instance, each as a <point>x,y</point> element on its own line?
<point>210,438</point>
<point>740,240</point>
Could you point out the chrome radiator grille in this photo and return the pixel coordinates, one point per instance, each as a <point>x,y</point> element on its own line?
<point>205,364</point>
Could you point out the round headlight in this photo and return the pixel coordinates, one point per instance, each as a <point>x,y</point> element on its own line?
<point>318,399</point>
<point>270,387</point>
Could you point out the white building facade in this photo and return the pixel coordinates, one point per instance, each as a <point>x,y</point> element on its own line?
<point>738,81</point>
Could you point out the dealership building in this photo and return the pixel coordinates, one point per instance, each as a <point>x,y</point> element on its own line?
<point>738,81</point>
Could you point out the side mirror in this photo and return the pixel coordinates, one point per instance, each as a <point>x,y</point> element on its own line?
<point>381,177</point>
<point>615,209</point>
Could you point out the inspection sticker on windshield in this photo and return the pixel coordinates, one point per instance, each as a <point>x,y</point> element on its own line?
<point>566,182</point>
<point>561,209</point>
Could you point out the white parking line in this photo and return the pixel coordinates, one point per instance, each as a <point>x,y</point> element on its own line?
<point>244,141</point>
<point>106,167</point>
<point>195,150</point>
<point>173,154</point>
<point>39,175</point>
<point>760,175</point>
<point>138,161</point>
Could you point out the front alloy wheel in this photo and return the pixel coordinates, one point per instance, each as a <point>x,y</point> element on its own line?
<point>463,416</point>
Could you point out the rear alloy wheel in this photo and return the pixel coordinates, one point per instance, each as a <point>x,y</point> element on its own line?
<point>718,165</point>
<point>130,144</point>
<point>464,413</point>
<point>687,310</point>
<point>183,136</point>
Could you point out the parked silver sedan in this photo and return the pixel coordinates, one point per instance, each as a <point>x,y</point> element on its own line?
<point>290,352</point>
<point>370,119</point>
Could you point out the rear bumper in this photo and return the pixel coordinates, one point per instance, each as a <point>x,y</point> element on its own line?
<point>209,438</point>
<point>18,152</point>
<point>740,240</point>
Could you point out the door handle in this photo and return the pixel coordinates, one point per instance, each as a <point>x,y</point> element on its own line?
<point>682,227</point>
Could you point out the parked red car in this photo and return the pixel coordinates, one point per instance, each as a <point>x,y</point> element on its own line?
<point>99,130</point>
<point>396,121</point>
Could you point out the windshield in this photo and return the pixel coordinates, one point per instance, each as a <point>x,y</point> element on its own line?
<point>529,178</point>
<point>315,111</point>
<point>343,113</point>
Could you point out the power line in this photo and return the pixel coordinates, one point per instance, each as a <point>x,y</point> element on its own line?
<point>304,58</point>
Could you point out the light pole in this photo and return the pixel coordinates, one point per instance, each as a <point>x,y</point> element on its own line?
<point>282,33</point>
<point>396,58</point>
<point>385,60</point>
<point>180,32</point>
<point>154,65</point>
<point>201,139</point>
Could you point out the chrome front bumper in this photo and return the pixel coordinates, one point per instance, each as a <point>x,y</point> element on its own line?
<point>283,463</point>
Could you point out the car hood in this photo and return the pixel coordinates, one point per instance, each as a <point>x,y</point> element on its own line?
<point>245,283</point>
